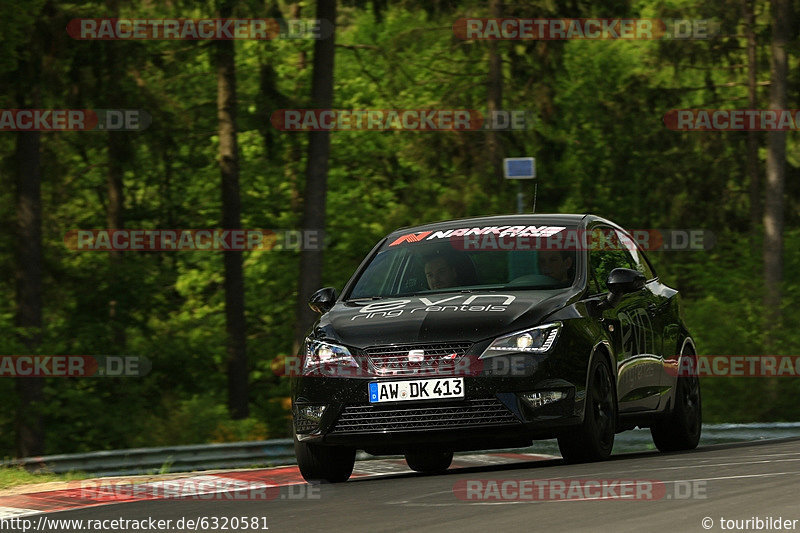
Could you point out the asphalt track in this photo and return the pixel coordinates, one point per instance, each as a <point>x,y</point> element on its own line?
<point>730,481</point>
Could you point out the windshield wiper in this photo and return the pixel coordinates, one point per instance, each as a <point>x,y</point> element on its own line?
<point>436,291</point>
<point>365,298</point>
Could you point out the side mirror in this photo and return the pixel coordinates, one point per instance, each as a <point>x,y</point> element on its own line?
<point>322,300</point>
<point>622,281</point>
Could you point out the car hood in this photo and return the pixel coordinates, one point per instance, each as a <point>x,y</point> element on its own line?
<point>445,316</point>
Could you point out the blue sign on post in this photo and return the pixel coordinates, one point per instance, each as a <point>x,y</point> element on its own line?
<point>519,168</point>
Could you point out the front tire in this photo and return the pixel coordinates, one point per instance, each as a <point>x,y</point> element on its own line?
<point>681,429</point>
<point>333,464</point>
<point>429,462</point>
<point>594,438</point>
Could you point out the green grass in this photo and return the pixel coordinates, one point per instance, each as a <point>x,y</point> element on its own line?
<point>14,476</point>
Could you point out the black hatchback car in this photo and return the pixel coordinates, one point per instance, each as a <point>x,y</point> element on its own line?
<point>493,332</point>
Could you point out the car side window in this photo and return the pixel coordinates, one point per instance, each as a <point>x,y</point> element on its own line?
<point>638,257</point>
<point>607,253</point>
<point>376,280</point>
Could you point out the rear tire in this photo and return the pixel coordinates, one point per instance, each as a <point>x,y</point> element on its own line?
<point>429,462</point>
<point>681,429</point>
<point>594,438</point>
<point>333,464</point>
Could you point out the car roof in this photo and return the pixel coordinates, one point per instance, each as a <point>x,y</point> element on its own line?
<point>507,220</point>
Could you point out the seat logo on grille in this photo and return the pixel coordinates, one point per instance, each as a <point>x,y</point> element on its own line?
<point>416,356</point>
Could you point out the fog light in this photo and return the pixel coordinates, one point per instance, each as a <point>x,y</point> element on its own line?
<point>312,412</point>
<point>308,417</point>
<point>538,399</point>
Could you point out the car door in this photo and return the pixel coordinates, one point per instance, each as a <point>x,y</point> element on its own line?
<point>635,337</point>
<point>662,315</point>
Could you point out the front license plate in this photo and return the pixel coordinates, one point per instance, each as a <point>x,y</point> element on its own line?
<point>415,389</point>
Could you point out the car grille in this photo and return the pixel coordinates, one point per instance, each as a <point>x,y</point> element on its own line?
<point>438,358</point>
<point>375,419</point>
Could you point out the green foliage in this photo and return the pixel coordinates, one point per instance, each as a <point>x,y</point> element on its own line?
<point>15,476</point>
<point>200,419</point>
<point>726,317</point>
<point>15,26</point>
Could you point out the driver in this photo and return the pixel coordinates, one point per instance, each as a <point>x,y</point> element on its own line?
<point>557,264</point>
<point>440,273</point>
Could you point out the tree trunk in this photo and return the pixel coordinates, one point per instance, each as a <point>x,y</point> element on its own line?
<point>776,167</point>
<point>117,155</point>
<point>319,146</point>
<point>225,62</point>
<point>115,220</point>
<point>495,95</point>
<point>752,137</point>
<point>29,422</point>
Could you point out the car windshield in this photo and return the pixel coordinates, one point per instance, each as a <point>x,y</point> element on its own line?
<point>444,266</point>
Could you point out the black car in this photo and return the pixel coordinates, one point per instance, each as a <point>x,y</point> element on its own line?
<point>493,332</point>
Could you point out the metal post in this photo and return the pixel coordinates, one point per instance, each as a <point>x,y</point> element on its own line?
<point>520,168</point>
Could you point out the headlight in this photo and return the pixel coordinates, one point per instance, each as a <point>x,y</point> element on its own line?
<point>535,340</point>
<point>320,353</point>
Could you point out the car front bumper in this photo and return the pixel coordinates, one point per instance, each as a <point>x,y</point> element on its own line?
<point>495,412</point>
